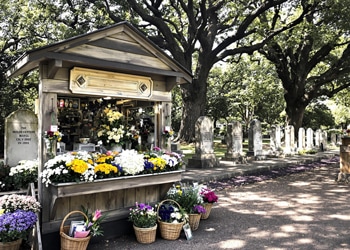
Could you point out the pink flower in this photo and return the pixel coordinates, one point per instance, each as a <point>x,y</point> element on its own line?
<point>97,215</point>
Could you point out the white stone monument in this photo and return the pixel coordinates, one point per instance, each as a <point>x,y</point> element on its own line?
<point>204,156</point>
<point>255,138</point>
<point>234,141</point>
<point>309,138</point>
<point>301,139</point>
<point>21,137</point>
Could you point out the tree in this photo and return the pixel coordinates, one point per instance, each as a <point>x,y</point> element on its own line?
<point>199,34</point>
<point>311,59</point>
<point>318,115</point>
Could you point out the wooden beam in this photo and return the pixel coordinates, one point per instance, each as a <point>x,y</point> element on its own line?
<point>53,67</point>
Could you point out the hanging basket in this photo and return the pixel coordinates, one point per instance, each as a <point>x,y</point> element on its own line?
<point>194,220</point>
<point>69,243</point>
<point>208,207</point>
<point>169,231</point>
<point>145,235</point>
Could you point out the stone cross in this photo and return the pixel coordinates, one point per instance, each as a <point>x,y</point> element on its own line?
<point>21,137</point>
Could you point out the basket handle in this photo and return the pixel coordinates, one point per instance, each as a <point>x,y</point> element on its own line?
<point>69,214</point>
<point>167,200</point>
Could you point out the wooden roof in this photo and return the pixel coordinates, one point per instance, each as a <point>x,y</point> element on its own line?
<point>118,48</point>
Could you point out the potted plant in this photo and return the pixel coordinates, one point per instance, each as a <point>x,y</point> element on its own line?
<point>189,199</point>
<point>171,218</point>
<point>209,198</point>
<point>144,219</point>
<point>24,173</point>
<point>17,218</point>
<point>14,227</point>
<point>78,234</point>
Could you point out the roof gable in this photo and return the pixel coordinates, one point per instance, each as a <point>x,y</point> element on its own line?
<point>118,47</point>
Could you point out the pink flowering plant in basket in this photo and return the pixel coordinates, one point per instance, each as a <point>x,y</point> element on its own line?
<point>93,223</point>
<point>208,195</point>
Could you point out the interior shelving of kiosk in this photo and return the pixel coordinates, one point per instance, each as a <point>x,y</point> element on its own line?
<point>79,117</point>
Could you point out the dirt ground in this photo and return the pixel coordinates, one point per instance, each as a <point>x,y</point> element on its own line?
<point>307,210</point>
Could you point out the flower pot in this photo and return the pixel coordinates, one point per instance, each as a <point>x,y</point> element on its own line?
<point>208,207</point>
<point>145,235</point>
<point>194,220</point>
<point>13,245</point>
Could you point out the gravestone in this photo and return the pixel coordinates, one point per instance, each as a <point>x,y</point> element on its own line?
<point>204,156</point>
<point>323,140</point>
<point>21,137</point>
<point>318,138</point>
<point>333,139</point>
<point>275,138</point>
<point>309,138</point>
<point>289,140</point>
<point>255,138</point>
<point>234,141</point>
<point>301,139</point>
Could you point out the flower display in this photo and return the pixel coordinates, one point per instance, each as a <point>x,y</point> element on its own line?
<point>167,133</point>
<point>24,173</point>
<point>69,167</point>
<point>86,167</point>
<point>208,195</point>
<point>13,202</point>
<point>159,161</point>
<point>143,215</point>
<point>16,225</point>
<point>93,222</point>
<point>53,135</point>
<point>112,131</point>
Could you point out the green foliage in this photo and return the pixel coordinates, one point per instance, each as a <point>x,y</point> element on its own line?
<point>187,197</point>
<point>318,116</point>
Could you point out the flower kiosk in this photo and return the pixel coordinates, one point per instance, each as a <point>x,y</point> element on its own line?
<point>97,92</point>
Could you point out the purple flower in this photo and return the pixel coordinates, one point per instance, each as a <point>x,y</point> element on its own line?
<point>15,225</point>
<point>199,209</point>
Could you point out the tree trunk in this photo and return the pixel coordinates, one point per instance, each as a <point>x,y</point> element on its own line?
<point>295,112</point>
<point>194,104</point>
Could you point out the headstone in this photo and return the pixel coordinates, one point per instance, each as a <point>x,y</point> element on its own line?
<point>309,138</point>
<point>301,139</point>
<point>287,148</point>
<point>292,139</point>
<point>318,138</point>
<point>21,137</point>
<point>234,141</point>
<point>275,137</point>
<point>255,138</point>
<point>204,156</point>
<point>323,140</point>
<point>333,139</point>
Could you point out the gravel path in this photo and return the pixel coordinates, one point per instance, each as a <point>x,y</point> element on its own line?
<point>297,208</point>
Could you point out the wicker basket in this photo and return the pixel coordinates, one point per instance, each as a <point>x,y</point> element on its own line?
<point>145,235</point>
<point>169,231</point>
<point>69,243</point>
<point>194,220</point>
<point>208,207</point>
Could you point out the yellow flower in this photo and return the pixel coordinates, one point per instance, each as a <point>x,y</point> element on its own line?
<point>2,211</point>
<point>105,168</point>
<point>158,163</point>
<point>78,166</point>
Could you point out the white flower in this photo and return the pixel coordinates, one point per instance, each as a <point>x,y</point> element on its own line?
<point>130,161</point>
